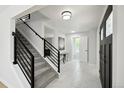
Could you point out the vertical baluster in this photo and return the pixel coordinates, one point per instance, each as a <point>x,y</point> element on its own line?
<point>58,61</point>
<point>15,44</point>
<point>44,48</point>
<point>32,72</point>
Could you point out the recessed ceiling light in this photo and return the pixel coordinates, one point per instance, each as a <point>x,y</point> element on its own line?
<point>66,15</point>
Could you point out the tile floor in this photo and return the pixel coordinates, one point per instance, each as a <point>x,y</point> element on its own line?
<point>75,74</point>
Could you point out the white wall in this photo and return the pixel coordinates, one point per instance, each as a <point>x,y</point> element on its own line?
<point>98,37</point>
<point>49,34</point>
<point>7,71</point>
<point>118,47</point>
<point>92,44</point>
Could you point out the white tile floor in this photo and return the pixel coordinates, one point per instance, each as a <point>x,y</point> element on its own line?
<point>75,74</point>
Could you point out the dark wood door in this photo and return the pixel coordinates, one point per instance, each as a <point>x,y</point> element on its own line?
<point>106,53</point>
<point>102,64</point>
<point>106,62</point>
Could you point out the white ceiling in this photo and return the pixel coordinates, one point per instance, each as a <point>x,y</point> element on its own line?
<point>3,7</point>
<point>84,17</point>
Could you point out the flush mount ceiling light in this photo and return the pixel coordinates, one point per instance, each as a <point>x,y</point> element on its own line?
<point>66,15</point>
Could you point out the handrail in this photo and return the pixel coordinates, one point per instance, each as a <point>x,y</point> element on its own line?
<point>47,52</point>
<point>51,45</point>
<point>46,43</point>
<point>32,29</point>
<point>38,34</point>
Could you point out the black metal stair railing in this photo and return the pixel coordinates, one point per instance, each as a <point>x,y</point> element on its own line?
<point>24,58</point>
<point>52,53</point>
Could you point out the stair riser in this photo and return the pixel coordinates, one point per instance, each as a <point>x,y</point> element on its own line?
<point>48,82</point>
<point>42,74</point>
<point>39,59</point>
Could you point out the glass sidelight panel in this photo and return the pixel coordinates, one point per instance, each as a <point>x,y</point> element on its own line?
<point>109,25</point>
<point>102,35</point>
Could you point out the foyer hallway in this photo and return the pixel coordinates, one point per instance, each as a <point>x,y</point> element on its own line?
<point>75,74</point>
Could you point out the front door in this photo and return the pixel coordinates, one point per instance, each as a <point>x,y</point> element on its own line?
<point>106,49</point>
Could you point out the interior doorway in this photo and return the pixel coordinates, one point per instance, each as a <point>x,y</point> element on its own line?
<point>80,48</point>
<point>76,48</point>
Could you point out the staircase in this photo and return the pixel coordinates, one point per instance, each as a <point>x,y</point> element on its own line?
<point>43,72</point>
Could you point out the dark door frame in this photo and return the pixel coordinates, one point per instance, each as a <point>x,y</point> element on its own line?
<point>103,25</point>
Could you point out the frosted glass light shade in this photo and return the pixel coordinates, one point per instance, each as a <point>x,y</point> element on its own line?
<point>66,15</point>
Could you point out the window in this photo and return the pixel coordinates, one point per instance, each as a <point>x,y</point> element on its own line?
<point>77,42</point>
<point>101,34</point>
<point>109,24</point>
